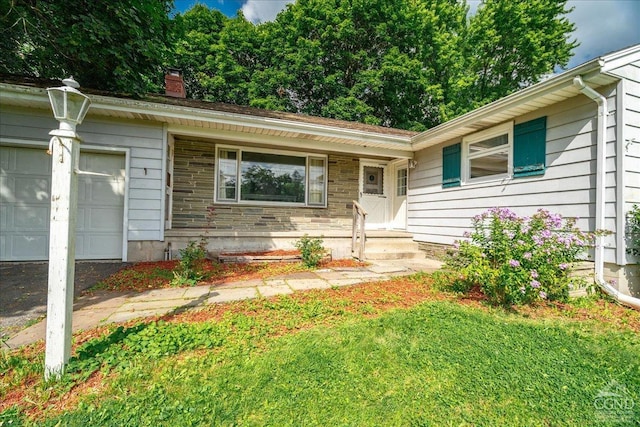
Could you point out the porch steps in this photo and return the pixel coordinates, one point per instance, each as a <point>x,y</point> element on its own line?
<point>390,245</point>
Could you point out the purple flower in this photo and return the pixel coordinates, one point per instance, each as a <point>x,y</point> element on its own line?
<point>534,274</point>
<point>535,284</point>
<point>543,295</point>
<point>527,255</point>
<point>563,266</point>
<point>514,263</point>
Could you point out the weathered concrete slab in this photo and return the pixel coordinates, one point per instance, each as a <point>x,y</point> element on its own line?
<point>152,305</point>
<point>304,284</point>
<point>242,284</point>
<point>89,317</point>
<point>226,295</point>
<point>196,292</point>
<point>28,336</point>
<point>269,291</point>
<point>385,269</point>
<point>344,282</point>
<point>159,294</point>
<point>123,316</point>
<point>275,282</point>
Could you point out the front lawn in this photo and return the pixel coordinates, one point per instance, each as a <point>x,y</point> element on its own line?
<point>387,353</point>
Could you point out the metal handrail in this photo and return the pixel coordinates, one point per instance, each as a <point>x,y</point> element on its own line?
<point>359,218</point>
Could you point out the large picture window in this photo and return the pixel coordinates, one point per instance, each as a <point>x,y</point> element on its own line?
<point>269,177</point>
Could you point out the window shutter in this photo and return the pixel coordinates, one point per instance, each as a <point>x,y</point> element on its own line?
<point>529,146</point>
<point>451,165</point>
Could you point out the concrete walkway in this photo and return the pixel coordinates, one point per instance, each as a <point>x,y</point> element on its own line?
<point>106,307</point>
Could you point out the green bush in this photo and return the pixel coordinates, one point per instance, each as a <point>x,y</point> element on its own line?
<point>633,227</point>
<point>311,250</point>
<point>189,272</point>
<point>518,260</point>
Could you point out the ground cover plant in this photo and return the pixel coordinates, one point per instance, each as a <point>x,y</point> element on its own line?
<point>518,260</point>
<point>386,353</point>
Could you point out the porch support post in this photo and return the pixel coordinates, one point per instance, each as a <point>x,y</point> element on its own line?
<point>65,149</point>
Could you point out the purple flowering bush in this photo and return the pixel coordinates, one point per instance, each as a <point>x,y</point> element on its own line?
<point>518,260</point>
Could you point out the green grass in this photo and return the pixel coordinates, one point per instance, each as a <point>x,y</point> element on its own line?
<point>438,363</point>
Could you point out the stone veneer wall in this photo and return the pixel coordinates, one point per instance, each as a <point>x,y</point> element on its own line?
<point>193,190</point>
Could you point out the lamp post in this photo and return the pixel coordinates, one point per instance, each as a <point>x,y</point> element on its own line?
<point>69,107</point>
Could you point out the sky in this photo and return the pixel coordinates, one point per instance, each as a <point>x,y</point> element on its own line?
<point>603,26</point>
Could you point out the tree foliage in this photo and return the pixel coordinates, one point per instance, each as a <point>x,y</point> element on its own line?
<point>116,45</point>
<point>406,64</point>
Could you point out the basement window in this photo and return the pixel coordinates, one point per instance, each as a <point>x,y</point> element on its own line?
<point>270,177</point>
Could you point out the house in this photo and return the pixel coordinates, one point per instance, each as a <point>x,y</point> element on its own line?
<point>166,170</point>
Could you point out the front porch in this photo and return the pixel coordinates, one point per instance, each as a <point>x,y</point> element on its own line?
<point>379,244</point>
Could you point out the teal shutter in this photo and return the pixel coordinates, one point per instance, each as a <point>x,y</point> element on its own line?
<point>451,159</point>
<point>529,146</point>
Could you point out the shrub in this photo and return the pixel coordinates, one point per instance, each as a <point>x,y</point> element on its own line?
<point>519,260</point>
<point>188,271</point>
<point>633,224</point>
<point>311,250</point>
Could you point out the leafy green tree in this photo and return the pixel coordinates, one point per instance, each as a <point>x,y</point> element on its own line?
<point>406,64</point>
<point>116,45</point>
<point>511,44</point>
<point>196,41</point>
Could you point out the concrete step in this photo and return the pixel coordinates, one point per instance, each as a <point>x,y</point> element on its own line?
<point>389,248</point>
<point>393,255</point>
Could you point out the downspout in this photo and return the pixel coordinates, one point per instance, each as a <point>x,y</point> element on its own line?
<point>601,159</point>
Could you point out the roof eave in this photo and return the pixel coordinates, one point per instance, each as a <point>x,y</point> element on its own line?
<point>106,105</point>
<point>434,135</point>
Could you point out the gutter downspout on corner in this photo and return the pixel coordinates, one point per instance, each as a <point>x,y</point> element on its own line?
<point>601,159</point>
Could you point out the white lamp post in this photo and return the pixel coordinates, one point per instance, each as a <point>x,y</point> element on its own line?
<point>69,108</point>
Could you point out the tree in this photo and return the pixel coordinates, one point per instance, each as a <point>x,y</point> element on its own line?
<point>116,45</point>
<point>402,63</point>
<point>511,44</point>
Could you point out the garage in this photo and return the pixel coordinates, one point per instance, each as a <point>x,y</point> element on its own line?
<point>25,183</point>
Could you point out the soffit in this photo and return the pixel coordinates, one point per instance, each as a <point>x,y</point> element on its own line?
<point>197,118</point>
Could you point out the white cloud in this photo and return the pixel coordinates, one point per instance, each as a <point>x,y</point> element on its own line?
<point>603,26</point>
<point>263,10</point>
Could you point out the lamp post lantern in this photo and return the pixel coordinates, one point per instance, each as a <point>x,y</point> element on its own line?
<point>69,107</point>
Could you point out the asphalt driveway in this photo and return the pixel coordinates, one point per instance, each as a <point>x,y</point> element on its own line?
<point>23,289</point>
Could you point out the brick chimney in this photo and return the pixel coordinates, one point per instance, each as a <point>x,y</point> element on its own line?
<point>173,84</point>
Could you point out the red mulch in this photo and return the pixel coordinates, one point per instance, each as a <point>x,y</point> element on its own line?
<point>144,276</point>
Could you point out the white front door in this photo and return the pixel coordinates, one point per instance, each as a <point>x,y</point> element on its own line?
<point>374,193</point>
<point>399,204</point>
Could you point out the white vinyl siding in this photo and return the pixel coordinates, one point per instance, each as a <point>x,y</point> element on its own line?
<point>143,140</point>
<point>629,143</point>
<point>441,215</point>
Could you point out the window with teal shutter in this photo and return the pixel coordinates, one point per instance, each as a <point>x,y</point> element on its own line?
<point>451,165</point>
<point>529,147</point>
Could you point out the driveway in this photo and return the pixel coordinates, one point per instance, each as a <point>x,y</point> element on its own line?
<point>23,289</point>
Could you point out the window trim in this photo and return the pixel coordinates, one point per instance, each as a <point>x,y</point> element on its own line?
<point>238,201</point>
<point>467,141</point>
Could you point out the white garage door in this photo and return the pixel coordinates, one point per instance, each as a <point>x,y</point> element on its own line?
<point>25,183</point>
